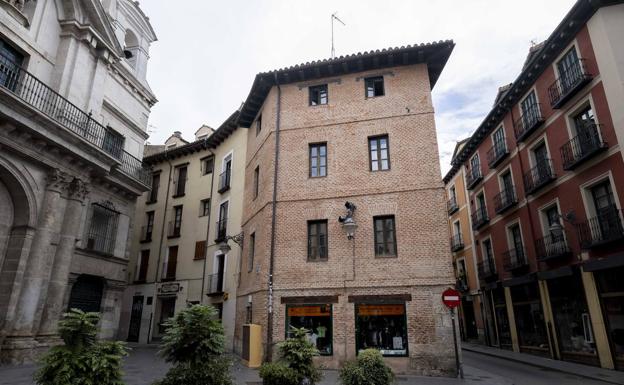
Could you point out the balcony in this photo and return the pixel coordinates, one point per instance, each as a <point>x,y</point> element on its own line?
<point>38,95</point>
<point>515,260</point>
<point>582,147</point>
<point>551,247</point>
<point>461,284</point>
<point>497,153</point>
<point>569,82</point>
<point>538,176</point>
<point>487,270</point>
<point>452,206</point>
<point>505,199</point>
<point>473,176</point>
<point>528,122</point>
<point>146,234</point>
<point>224,181</point>
<point>603,229</point>
<point>457,243</point>
<point>174,229</point>
<point>215,284</point>
<point>479,218</point>
<point>221,232</point>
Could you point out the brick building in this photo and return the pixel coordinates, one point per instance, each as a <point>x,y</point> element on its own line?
<point>357,129</point>
<point>545,176</point>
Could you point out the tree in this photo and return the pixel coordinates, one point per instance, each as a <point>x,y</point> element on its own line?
<point>82,360</point>
<point>195,343</point>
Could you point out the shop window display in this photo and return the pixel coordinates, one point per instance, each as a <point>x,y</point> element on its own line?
<point>611,288</point>
<point>530,323</point>
<point>572,320</point>
<point>382,327</point>
<point>317,319</point>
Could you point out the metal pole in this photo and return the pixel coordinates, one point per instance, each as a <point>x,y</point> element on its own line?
<point>458,366</point>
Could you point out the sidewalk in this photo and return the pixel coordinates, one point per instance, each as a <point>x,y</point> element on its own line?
<point>586,371</point>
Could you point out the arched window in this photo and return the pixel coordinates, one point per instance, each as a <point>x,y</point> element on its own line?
<point>131,47</point>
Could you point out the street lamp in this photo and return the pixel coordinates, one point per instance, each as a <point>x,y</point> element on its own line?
<point>348,223</point>
<point>225,247</point>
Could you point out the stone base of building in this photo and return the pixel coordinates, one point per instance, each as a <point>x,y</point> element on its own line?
<point>22,350</point>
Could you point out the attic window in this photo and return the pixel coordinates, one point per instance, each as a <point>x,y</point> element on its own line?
<point>128,54</point>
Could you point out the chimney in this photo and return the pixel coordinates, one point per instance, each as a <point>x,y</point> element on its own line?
<point>177,134</point>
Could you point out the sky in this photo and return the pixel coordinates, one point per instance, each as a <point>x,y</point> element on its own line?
<point>208,52</point>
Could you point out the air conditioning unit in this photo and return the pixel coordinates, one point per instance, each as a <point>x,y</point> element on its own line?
<point>252,345</point>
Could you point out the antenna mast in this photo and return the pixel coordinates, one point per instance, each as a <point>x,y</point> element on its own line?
<point>334,17</point>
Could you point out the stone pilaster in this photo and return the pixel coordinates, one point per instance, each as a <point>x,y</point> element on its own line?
<point>38,267</point>
<point>55,297</point>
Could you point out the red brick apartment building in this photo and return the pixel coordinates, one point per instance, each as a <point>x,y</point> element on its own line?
<point>358,129</point>
<point>544,175</point>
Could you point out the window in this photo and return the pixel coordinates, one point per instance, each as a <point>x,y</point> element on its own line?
<point>488,257</point>
<point>529,108</point>
<point>318,95</point>
<point>180,181</point>
<point>317,240</point>
<point>200,250</point>
<point>515,237</point>
<point>226,173</point>
<point>256,181</point>
<point>176,224</point>
<point>456,228</point>
<point>10,63</point>
<point>171,263</point>
<point>222,223</point>
<point>382,327</point>
<point>204,207</point>
<point>453,194</point>
<point>153,194</point>
<point>379,157</point>
<point>317,319</point>
<point>374,86</point>
<point>318,160</point>
<point>499,140</point>
<point>540,154</point>
<point>252,252</point>
<point>385,236</point>
<point>142,264</point>
<point>475,165</point>
<point>258,124</point>
<point>207,165</point>
<point>103,229</point>
<point>149,226</point>
<point>569,69</point>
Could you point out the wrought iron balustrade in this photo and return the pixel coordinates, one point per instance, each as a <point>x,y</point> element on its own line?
<point>479,218</point>
<point>528,122</point>
<point>538,176</point>
<point>569,82</point>
<point>457,243</point>
<point>551,247</point>
<point>604,228</point>
<point>583,146</point>
<point>505,199</point>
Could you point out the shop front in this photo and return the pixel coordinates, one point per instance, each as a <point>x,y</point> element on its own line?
<point>317,320</point>
<point>529,317</point>
<point>382,327</point>
<point>610,284</point>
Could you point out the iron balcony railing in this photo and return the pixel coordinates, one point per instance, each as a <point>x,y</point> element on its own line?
<point>224,181</point>
<point>582,147</point>
<point>473,176</point>
<point>174,229</point>
<point>551,247</point>
<point>451,205</point>
<point>496,153</point>
<point>221,232</point>
<point>505,199</point>
<point>457,243</point>
<point>461,283</point>
<point>479,218</point>
<point>528,122</point>
<point>606,227</point>
<point>133,167</point>
<point>487,270</point>
<point>538,176</point>
<point>514,259</point>
<point>569,82</point>
<point>215,284</point>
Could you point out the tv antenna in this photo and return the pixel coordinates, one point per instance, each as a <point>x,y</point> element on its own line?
<point>334,17</point>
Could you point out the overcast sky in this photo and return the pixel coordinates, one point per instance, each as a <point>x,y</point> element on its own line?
<point>208,52</point>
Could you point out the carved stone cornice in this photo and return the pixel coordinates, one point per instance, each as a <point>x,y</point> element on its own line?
<point>78,190</point>
<point>57,180</point>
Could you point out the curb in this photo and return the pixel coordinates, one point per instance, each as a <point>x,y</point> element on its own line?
<point>543,366</point>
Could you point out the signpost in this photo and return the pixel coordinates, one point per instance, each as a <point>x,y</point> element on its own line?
<point>451,299</point>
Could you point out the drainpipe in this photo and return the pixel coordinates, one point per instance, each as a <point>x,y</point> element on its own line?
<point>269,347</point>
<point>201,297</point>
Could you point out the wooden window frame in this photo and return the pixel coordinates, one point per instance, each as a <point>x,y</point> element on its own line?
<point>316,239</point>
<point>372,80</point>
<point>318,157</point>
<point>316,91</point>
<point>377,139</point>
<point>384,232</point>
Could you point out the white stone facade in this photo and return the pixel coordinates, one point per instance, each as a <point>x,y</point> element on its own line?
<point>74,105</point>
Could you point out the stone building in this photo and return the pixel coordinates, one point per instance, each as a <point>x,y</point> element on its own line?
<point>358,129</point>
<point>545,178</point>
<point>74,104</point>
<point>178,256</point>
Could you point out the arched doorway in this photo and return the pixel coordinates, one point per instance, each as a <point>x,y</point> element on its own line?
<point>6,220</point>
<point>86,293</point>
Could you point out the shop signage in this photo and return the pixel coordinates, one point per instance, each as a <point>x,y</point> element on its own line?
<point>308,311</point>
<point>450,298</point>
<point>375,310</point>
<point>167,288</point>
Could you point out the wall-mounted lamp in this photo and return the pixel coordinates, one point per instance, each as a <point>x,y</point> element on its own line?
<point>348,223</point>
<point>225,247</point>
<point>556,228</point>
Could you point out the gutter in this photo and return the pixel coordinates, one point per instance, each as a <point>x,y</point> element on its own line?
<point>269,347</point>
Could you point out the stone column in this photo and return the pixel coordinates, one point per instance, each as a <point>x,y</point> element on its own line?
<point>512,321</point>
<point>38,267</point>
<point>55,297</point>
<point>597,320</point>
<point>549,320</point>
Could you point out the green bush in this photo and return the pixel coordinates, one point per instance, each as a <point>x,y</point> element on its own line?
<point>368,369</point>
<point>82,360</point>
<point>195,343</point>
<point>295,364</point>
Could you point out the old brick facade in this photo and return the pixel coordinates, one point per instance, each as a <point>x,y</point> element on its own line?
<point>410,190</point>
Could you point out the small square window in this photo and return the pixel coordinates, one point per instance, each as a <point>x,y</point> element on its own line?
<point>318,95</point>
<point>374,86</point>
